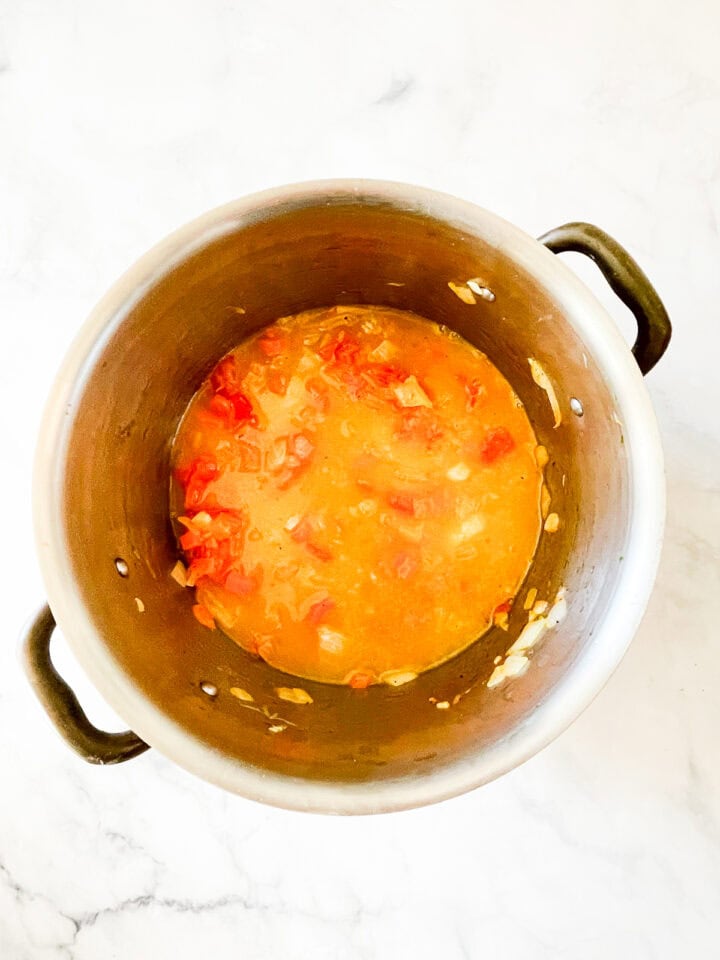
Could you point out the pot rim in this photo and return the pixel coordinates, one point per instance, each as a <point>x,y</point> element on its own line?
<point>571,695</point>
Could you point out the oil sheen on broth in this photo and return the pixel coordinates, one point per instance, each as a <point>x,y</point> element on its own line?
<point>358,494</point>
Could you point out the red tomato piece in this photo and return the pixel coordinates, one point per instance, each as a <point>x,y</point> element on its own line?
<point>301,446</point>
<point>405,565</point>
<point>272,343</point>
<point>319,611</point>
<point>303,530</point>
<point>196,478</point>
<point>317,550</point>
<point>317,388</point>
<point>342,349</point>
<point>222,407</point>
<point>404,502</point>
<point>226,378</point>
<point>498,442</point>
<point>190,540</point>
<point>202,567</point>
<point>418,505</point>
<point>473,390</point>
<point>276,381</point>
<point>203,616</point>
<point>250,457</point>
<point>360,680</point>
<point>240,584</point>
<point>242,408</point>
<point>385,374</point>
<point>419,424</point>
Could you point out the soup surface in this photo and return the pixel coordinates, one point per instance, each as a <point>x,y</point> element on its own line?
<point>358,495</point>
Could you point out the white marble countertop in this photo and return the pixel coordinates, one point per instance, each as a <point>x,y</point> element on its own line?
<point>120,122</point>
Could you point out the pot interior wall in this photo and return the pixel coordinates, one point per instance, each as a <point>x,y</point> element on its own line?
<point>291,258</point>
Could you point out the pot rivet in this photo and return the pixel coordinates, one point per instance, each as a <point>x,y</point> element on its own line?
<point>209,688</point>
<point>121,567</point>
<point>576,407</point>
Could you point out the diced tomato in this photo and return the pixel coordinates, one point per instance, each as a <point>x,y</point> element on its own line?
<point>272,343</point>
<point>498,442</point>
<point>316,387</point>
<point>418,505</point>
<point>285,478</point>
<point>202,567</point>
<point>474,389</point>
<point>250,456</point>
<point>296,462</point>
<point>226,377</point>
<point>359,680</point>
<point>319,611</point>
<point>212,544</point>
<point>501,614</point>
<point>203,616</point>
<point>190,540</point>
<point>342,349</point>
<point>404,502</point>
<point>230,402</point>
<point>222,407</point>
<point>405,565</point>
<point>276,381</point>
<point>385,374</point>
<point>196,478</point>
<point>240,584</point>
<point>317,550</point>
<point>301,446</point>
<point>242,408</point>
<point>419,424</point>
<point>303,530</point>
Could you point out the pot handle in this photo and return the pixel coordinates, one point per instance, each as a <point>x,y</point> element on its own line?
<point>626,279</point>
<point>61,704</point>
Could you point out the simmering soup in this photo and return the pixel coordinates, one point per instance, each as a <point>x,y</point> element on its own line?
<point>357,495</point>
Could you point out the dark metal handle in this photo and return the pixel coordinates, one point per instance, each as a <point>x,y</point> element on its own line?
<point>626,279</point>
<point>61,704</point>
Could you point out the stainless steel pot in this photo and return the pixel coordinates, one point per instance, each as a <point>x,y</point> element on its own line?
<point>101,494</point>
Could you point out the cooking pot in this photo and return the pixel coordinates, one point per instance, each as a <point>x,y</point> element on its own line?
<point>101,494</point>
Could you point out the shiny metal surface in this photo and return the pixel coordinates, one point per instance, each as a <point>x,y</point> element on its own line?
<point>101,489</point>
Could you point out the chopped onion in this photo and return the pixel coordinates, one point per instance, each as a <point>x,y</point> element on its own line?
<point>396,678</point>
<point>558,612</point>
<point>383,352</point>
<point>529,636</point>
<point>541,456</point>
<point>469,528</point>
<point>330,640</point>
<point>515,665</point>
<point>543,381</point>
<point>242,694</point>
<point>545,500</point>
<point>552,523</point>
<point>411,394</point>
<point>179,574</point>
<point>461,290</point>
<point>458,473</point>
<point>293,695</point>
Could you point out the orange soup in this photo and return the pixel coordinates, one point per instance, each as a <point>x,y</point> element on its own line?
<point>358,495</point>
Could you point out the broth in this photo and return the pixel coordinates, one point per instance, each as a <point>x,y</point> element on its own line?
<point>359,495</point>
